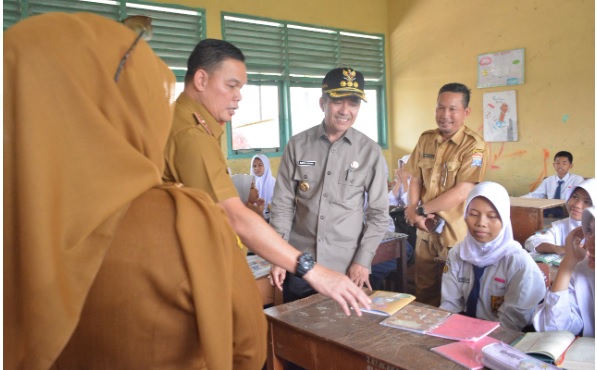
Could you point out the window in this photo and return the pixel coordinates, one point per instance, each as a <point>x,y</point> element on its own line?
<point>176,29</point>
<point>285,65</point>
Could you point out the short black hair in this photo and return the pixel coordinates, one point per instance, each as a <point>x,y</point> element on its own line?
<point>208,54</point>
<point>456,87</point>
<point>563,153</point>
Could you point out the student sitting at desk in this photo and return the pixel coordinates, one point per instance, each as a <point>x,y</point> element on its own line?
<point>552,239</point>
<point>248,192</point>
<point>555,186</point>
<point>570,302</point>
<point>488,275</point>
<point>264,180</point>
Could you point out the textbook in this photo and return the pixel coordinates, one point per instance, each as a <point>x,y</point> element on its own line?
<point>387,303</point>
<point>467,354</point>
<point>440,323</point>
<point>500,356</point>
<point>259,266</point>
<point>580,355</point>
<point>419,319</point>
<point>557,347</point>
<point>549,258</point>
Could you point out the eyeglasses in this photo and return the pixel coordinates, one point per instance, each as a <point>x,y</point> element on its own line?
<point>140,24</point>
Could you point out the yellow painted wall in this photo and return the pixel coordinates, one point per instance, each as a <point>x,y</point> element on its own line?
<point>433,42</point>
<point>343,14</point>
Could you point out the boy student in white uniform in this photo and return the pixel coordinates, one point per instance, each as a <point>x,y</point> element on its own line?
<point>552,239</point>
<point>488,275</point>
<point>555,186</point>
<point>570,302</point>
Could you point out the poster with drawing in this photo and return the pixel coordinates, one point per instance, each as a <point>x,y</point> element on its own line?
<point>500,120</point>
<point>500,69</point>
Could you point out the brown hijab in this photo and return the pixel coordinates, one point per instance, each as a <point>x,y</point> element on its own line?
<point>78,148</point>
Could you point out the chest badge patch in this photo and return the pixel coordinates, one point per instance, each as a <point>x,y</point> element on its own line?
<point>304,186</point>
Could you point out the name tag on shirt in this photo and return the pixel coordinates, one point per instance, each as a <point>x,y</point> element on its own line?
<point>306,163</point>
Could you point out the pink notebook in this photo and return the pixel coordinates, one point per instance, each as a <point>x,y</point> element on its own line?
<point>460,327</point>
<point>467,354</point>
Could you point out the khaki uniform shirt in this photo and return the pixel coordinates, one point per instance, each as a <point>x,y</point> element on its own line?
<point>193,152</point>
<point>440,165</point>
<point>319,197</point>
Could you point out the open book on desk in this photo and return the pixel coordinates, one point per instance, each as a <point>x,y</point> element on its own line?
<point>439,323</point>
<point>387,303</point>
<point>557,347</point>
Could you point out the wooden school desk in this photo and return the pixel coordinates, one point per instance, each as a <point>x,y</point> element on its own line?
<point>314,333</point>
<point>526,215</point>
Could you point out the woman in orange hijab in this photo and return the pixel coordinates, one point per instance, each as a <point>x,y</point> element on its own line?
<point>104,266</point>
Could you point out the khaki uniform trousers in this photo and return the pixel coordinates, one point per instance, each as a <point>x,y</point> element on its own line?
<point>430,257</point>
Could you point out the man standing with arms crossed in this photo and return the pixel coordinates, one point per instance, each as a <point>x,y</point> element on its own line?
<point>320,190</point>
<point>445,166</point>
<point>215,74</point>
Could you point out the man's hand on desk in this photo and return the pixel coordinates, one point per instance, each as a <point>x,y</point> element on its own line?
<point>359,275</point>
<point>338,287</point>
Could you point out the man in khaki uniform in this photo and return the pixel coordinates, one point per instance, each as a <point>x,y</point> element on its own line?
<point>445,166</point>
<point>216,72</point>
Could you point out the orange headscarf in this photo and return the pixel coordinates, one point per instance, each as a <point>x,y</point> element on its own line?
<point>78,148</point>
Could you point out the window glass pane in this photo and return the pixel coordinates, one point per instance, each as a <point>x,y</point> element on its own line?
<point>304,108</point>
<point>255,123</point>
<point>306,113</point>
<point>367,120</point>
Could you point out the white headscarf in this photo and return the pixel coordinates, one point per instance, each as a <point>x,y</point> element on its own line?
<point>243,182</point>
<point>266,182</point>
<point>485,254</point>
<point>590,185</point>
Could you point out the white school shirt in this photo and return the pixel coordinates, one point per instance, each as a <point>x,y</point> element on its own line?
<point>572,309</point>
<point>510,290</point>
<point>547,188</point>
<point>400,200</point>
<point>555,234</point>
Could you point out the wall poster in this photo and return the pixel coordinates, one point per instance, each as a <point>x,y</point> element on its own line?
<point>503,68</point>
<point>500,120</point>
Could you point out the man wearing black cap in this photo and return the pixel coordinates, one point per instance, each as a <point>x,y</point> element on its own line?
<point>320,189</point>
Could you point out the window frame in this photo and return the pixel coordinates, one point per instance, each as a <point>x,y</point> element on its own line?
<point>285,80</point>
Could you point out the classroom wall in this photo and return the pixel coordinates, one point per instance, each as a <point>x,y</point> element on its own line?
<point>433,42</point>
<point>343,14</point>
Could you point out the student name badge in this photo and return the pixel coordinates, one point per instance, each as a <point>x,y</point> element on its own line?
<point>306,163</point>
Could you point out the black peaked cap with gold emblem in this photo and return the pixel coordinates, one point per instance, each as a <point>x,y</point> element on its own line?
<point>344,82</point>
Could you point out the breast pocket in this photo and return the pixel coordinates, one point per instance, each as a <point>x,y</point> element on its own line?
<point>449,173</point>
<point>351,187</point>
<point>497,291</point>
<point>306,179</point>
<point>426,167</point>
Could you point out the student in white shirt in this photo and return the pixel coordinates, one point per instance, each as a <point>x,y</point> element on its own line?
<point>264,180</point>
<point>511,285</point>
<point>570,302</point>
<point>548,189</point>
<point>399,193</point>
<point>552,239</point>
